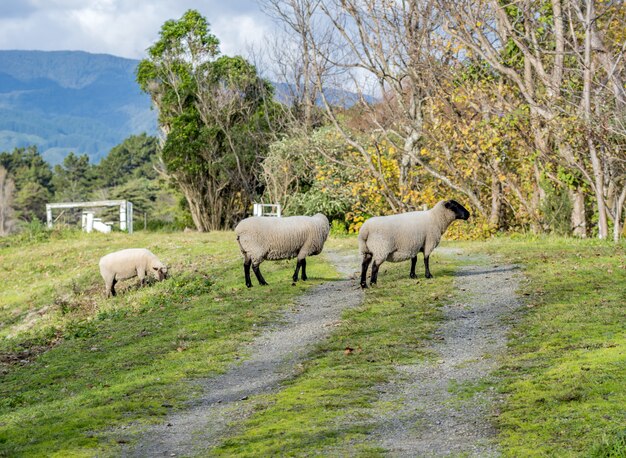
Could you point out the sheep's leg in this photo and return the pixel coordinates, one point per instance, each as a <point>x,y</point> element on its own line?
<point>246,271</point>
<point>257,272</point>
<point>428,274</point>
<point>141,275</point>
<point>297,271</point>
<point>367,259</point>
<point>413,262</point>
<point>112,288</point>
<point>375,267</point>
<point>304,277</point>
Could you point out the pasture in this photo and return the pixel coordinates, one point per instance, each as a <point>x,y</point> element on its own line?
<point>81,375</point>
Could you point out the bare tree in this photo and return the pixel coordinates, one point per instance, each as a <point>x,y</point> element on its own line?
<point>390,50</point>
<point>499,34</point>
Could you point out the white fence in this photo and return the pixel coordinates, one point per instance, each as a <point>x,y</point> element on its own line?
<point>89,223</point>
<point>266,210</point>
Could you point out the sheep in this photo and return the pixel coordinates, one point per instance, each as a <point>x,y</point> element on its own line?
<point>400,237</point>
<point>129,263</point>
<point>262,238</point>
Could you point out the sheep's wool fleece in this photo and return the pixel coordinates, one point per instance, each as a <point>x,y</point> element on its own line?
<point>282,238</point>
<point>123,264</point>
<point>400,237</point>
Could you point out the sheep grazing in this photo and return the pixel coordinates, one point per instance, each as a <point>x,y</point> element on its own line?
<point>400,237</point>
<point>133,262</point>
<point>262,238</point>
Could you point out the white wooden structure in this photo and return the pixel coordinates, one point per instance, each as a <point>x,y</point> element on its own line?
<point>266,210</point>
<point>89,223</point>
<point>126,213</point>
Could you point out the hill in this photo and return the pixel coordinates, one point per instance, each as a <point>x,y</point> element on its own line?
<point>66,101</point>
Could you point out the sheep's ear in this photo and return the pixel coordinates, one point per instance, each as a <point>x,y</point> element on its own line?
<point>156,268</point>
<point>450,204</point>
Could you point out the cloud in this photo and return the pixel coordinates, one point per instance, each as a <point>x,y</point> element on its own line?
<point>121,27</point>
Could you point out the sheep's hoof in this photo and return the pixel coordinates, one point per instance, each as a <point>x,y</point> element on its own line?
<point>264,283</point>
<point>412,276</point>
<point>293,284</point>
<point>364,285</point>
<point>428,276</point>
<point>304,278</point>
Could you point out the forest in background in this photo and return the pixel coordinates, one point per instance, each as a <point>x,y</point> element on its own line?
<point>517,110</point>
<point>27,183</point>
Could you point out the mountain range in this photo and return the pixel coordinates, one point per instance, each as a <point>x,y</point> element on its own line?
<point>66,101</point>
<point>74,101</point>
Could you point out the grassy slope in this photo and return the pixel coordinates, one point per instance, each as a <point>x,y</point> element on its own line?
<point>565,375</point>
<point>315,413</point>
<point>115,361</point>
<point>128,359</point>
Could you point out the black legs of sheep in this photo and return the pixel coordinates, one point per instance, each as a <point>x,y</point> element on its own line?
<point>257,272</point>
<point>426,267</point>
<point>301,264</point>
<point>367,259</point>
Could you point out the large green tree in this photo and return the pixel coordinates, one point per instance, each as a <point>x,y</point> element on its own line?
<point>33,181</point>
<point>73,179</point>
<point>131,159</point>
<point>215,113</point>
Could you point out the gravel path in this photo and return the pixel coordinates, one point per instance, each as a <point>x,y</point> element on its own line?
<point>274,358</point>
<point>432,419</point>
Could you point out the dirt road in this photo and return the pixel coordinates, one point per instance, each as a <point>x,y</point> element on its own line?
<point>443,405</point>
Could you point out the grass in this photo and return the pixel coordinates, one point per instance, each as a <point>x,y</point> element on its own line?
<point>326,410</point>
<point>79,374</point>
<point>564,376</point>
<point>85,365</point>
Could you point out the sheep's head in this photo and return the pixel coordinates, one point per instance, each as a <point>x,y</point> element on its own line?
<point>460,212</point>
<point>160,272</point>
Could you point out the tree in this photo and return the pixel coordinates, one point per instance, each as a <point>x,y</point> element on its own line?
<point>7,189</point>
<point>133,158</point>
<point>215,114</point>
<point>73,179</point>
<point>536,46</point>
<point>33,181</point>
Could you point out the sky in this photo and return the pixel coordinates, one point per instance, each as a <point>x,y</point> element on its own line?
<point>124,28</point>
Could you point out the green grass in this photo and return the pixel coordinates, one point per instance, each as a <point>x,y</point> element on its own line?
<point>87,365</point>
<point>80,374</point>
<point>315,413</point>
<point>564,376</point>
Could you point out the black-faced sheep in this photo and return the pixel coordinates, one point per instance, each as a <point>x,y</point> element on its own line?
<point>400,237</point>
<point>129,263</point>
<point>262,238</point>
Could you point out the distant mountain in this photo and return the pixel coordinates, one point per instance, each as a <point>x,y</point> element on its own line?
<point>66,101</point>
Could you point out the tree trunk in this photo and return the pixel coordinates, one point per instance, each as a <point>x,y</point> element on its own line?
<point>495,218</point>
<point>619,207</point>
<point>579,222</point>
<point>598,175</point>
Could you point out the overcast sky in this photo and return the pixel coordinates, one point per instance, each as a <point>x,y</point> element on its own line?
<point>121,27</point>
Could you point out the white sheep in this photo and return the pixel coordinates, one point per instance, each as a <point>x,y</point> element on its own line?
<point>400,237</point>
<point>129,263</point>
<point>262,238</point>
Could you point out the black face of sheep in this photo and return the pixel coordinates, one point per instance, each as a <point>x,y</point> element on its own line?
<point>459,210</point>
